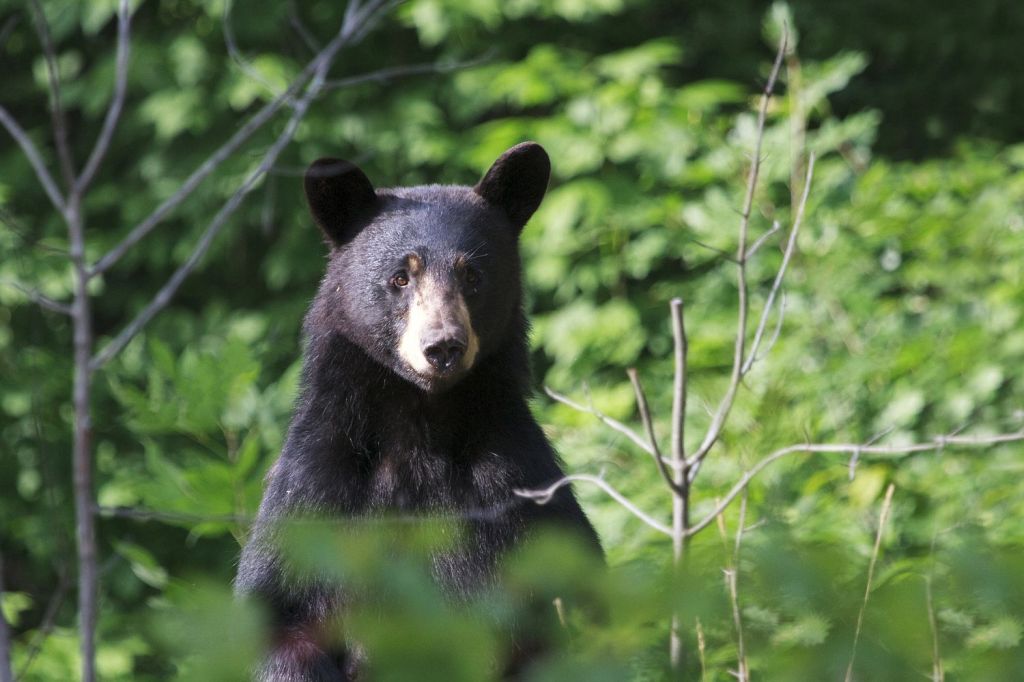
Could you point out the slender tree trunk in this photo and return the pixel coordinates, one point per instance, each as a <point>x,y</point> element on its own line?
<point>81,316</point>
<point>680,477</point>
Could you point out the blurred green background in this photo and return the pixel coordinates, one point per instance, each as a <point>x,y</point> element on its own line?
<point>903,317</point>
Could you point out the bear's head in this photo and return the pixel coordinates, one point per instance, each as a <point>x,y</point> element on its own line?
<point>426,280</point>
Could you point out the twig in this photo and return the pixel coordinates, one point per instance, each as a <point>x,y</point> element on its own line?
<point>60,126</point>
<point>645,417</point>
<point>47,623</point>
<point>39,298</point>
<point>722,413</point>
<point>882,518</point>
<point>701,647</point>
<point>300,28</point>
<point>543,496</point>
<point>6,674</point>
<point>116,104</point>
<point>678,382</point>
<point>166,293</point>
<point>756,246</point>
<point>938,674</point>
<point>779,319</point>
<point>848,448</point>
<point>8,28</point>
<point>388,73</point>
<point>157,515</point>
<point>781,274</point>
<point>732,583</point>
<point>225,151</point>
<point>236,56</point>
<point>34,158</point>
<point>605,419</point>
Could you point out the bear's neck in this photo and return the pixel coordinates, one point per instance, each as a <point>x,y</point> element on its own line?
<point>363,405</point>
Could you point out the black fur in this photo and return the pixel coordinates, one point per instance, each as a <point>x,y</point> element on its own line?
<point>368,435</point>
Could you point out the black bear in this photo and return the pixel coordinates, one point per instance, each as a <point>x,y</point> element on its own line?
<point>414,388</point>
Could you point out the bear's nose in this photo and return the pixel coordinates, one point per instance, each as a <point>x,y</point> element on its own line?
<point>444,354</point>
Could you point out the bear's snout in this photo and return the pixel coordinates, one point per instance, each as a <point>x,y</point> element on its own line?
<point>445,352</point>
<point>438,343</point>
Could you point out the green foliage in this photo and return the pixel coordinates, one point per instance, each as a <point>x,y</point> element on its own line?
<point>903,317</point>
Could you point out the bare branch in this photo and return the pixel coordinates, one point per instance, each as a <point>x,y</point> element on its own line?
<point>678,383</point>
<point>756,246</point>
<point>680,481</point>
<point>718,421</point>
<point>732,584</point>
<point>645,417</point>
<point>6,674</point>
<point>236,56</point>
<point>605,419</point>
<point>157,515</point>
<point>46,625</point>
<point>882,518</point>
<point>300,28</point>
<point>938,673</point>
<point>8,28</point>
<point>60,126</point>
<point>39,298</point>
<point>92,165</point>
<point>701,651</point>
<point>392,72</point>
<point>779,319</point>
<point>225,151</point>
<point>34,158</point>
<point>936,443</point>
<point>781,274</point>
<point>166,293</point>
<point>545,495</point>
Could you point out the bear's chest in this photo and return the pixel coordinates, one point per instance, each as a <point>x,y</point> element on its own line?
<point>421,467</point>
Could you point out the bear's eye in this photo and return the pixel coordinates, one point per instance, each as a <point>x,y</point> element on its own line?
<point>400,279</point>
<point>472,277</point>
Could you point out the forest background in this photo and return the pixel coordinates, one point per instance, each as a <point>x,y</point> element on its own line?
<point>903,320</point>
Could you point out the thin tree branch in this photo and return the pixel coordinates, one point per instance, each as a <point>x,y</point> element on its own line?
<point>34,158</point>
<point>39,298</point>
<point>59,122</point>
<point>157,515</point>
<point>8,28</point>
<point>756,246</point>
<point>225,151</point>
<point>47,623</point>
<point>732,584</point>
<point>779,319</point>
<point>882,518</point>
<point>680,480</point>
<point>392,72</point>
<point>543,496</point>
<point>99,151</point>
<point>605,419</point>
<point>6,673</point>
<point>781,274</point>
<point>936,443</point>
<point>680,345</point>
<point>938,673</point>
<point>722,413</point>
<point>300,28</point>
<point>166,293</point>
<point>236,55</point>
<point>645,417</point>
<point>701,651</point>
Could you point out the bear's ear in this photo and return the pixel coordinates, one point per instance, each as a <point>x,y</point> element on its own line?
<point>338,194</point>
<point>517,181</point>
